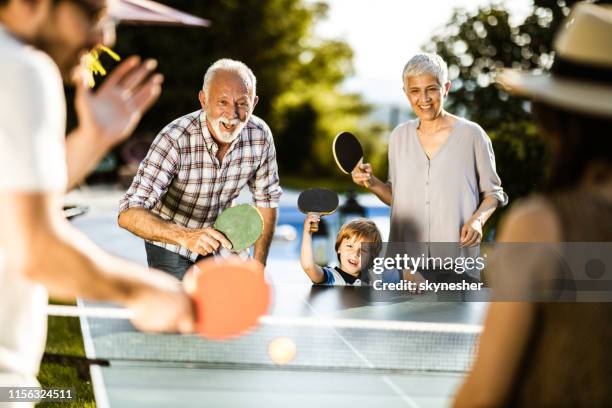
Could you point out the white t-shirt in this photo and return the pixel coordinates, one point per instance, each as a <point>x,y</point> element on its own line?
<point>32,159</point>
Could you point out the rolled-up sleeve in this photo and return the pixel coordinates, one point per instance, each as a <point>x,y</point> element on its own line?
<point>154,175</point>
<point>488,179</point>
<point>265,184</point>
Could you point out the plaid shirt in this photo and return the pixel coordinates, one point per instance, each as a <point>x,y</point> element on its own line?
<point>182,180</point>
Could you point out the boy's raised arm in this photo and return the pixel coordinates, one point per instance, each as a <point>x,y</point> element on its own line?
<point>314,271</point>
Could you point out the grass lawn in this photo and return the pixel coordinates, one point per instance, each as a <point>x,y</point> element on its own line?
<point>64,337</point>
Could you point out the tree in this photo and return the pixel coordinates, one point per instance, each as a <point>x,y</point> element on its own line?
<point>475,45</point>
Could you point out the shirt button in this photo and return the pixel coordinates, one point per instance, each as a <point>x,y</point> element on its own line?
<point>427,183</point>
<point>427,202</point>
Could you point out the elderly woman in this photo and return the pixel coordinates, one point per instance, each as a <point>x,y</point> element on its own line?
<point>442,184</point>
<point>557,354</point>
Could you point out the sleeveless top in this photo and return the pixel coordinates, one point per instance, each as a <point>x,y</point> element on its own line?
<point>568,362</point>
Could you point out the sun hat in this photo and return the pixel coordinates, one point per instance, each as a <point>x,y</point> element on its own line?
<point>150,12</point>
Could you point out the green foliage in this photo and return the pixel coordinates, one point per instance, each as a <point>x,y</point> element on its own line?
<point>521,156</point>
<point>298,74</point>
<point>521,149</point>
<point>318,110</point>
<point>475,46</point>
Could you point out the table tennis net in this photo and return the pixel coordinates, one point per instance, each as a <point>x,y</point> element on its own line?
<point>335,344</point>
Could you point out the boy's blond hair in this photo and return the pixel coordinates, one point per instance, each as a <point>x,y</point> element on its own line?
<point>363,229</point>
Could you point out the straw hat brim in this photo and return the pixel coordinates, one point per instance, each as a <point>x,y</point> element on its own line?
<point>580,96</point>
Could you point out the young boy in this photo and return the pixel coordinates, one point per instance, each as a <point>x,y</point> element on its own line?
<point>349,248</point>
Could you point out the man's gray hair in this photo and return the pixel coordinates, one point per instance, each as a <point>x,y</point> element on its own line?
<point>228,65</point>
<point>423,64</point>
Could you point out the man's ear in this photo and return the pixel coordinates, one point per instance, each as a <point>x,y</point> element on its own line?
<point>202,99</point>
<point>255,101</point>
<point>447,87</point>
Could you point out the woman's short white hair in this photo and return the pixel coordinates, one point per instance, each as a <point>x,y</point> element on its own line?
<point>228,65</point>
<point>423,64</point>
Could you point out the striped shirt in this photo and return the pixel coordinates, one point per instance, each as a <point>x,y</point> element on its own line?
<point>181,179</point>
<point>336,276</point>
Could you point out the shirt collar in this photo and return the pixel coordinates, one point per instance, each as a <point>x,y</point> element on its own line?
<point>208,138</point>
<point>350,279</point>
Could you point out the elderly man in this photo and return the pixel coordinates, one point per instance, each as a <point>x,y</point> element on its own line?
<point>197,166</point>
<point>39,250</point>
<point>442,185</point>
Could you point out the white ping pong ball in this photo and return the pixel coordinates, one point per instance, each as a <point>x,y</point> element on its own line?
<point>282,350</point>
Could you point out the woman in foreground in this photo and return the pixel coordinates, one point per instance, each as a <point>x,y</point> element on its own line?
<point>553,353</point>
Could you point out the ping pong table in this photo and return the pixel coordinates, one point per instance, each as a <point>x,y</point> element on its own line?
<point>355,347</point>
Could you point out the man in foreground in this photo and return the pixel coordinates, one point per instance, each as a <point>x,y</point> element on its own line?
<point>40,252</point>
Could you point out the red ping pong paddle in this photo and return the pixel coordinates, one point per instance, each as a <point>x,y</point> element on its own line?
<point>348,152</point>
<point>317,200</point>
<point>230,296</point>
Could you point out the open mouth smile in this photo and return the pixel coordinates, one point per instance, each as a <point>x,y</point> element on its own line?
<point>227,126</point>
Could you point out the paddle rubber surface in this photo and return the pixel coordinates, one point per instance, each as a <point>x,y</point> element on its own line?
<point>318,200</point>
<point>347,151</point>
<point>229,296</point>
<point>242,225</point>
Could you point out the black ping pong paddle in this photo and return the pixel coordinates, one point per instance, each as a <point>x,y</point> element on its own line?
<point>348,152</point>
<point>317,200</point>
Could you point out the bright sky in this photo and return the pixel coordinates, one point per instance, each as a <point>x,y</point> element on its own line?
<point>385,33</point>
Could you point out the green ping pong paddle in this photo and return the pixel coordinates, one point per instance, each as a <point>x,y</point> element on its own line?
<point>242,225</point>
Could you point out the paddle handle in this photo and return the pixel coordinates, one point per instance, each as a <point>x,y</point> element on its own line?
<point>365,183</point>
<point>314,226</point>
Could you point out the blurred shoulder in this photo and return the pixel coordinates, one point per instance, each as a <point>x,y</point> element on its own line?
<point>24,67</point>
<point>531,220</point>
